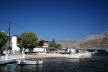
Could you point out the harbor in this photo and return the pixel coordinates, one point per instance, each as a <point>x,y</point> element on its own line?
<point>61,64</point>
<point>53,35</point>
<point>15,58</point>
<point>45,51</point>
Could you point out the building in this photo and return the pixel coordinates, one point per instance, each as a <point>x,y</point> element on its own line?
<point>14,44</point>
<point>44,48</point>
<point>70,50</point>
<point>40,50</point>
<point>46,44</point>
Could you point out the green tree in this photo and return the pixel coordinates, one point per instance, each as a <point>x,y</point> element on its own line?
<point>53,44</point>
<point>40,43</point>
<point>53,40</point>
<point>28,40</point>
<point>3,40</point>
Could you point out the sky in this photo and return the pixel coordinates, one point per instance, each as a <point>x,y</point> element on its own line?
<point>59,19</point>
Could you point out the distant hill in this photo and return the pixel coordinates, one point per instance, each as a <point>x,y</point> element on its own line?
<point>90,42</point>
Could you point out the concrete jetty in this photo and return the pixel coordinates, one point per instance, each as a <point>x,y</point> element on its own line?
<point>11,58</point>
<point>10,61</point>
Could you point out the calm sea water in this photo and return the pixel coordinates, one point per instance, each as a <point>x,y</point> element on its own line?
<point>97,64</point>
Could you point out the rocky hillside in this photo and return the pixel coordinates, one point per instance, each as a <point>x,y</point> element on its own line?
<point>89,42</point>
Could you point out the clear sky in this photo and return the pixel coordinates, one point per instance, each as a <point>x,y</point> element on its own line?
<point>61,19</point>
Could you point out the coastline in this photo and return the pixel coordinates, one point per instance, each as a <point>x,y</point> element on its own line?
<point>48,55</point>
<point>51,55</point>
<point>40,56</point>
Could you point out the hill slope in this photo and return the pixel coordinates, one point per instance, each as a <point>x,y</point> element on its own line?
<point>89,42</point>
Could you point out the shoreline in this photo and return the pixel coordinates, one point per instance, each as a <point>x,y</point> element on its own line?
<point>49,55</point>
<point>39,56</point>
<point>44,55</point>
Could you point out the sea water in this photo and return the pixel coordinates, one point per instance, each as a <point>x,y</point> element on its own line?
<point>99,63</point>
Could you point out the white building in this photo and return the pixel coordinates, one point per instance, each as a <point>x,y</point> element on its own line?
<point>62,50</point>
<point>40,50</point>
<point>14,44</point>
<point>43,48</point>
<point>70,50</point>
<point>46,44</point>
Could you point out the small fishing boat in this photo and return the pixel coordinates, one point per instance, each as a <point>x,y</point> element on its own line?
<point>37,62</point>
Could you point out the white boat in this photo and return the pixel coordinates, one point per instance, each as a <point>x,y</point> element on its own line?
<point>30,62</point>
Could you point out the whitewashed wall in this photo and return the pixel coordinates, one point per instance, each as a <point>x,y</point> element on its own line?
<point>39,49</point>
<point>14,44</point>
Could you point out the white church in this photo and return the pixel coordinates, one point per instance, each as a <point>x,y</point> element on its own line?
<point>15,48</point>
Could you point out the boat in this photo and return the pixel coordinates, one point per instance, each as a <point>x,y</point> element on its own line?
<point>37,62</point>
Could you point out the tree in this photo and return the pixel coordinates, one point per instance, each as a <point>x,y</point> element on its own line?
<point>53,44</point>
<point>40,43</point>
<point>3,40</point>
<point>28,40</point>
<point>53,40</point>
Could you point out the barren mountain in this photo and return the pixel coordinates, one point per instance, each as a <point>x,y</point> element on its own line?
<point>90,42</point>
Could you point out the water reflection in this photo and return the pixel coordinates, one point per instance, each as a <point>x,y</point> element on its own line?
<point>30,68</point>
<point>20,68</point>
<point>9,68</point>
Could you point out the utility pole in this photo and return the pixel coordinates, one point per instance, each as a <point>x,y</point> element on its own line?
<point>9,35</point>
